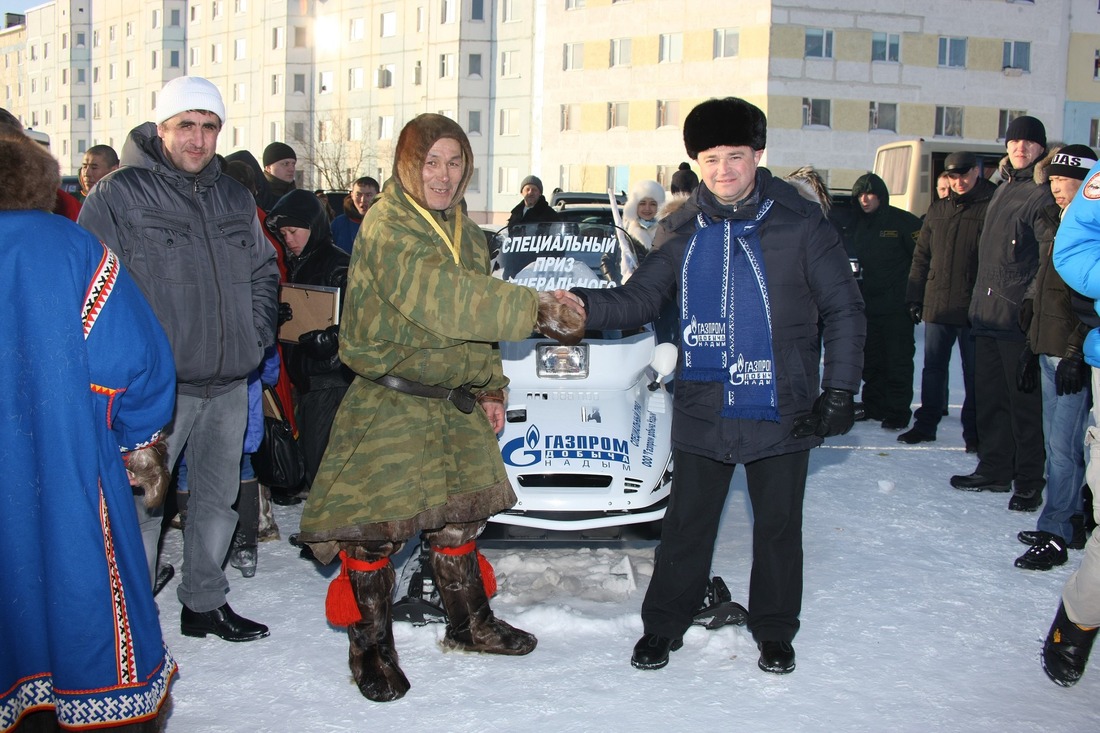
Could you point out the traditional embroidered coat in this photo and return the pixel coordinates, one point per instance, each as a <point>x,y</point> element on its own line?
<point>88,371</point>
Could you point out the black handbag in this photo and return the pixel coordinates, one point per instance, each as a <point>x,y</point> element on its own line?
<point>278,462</point>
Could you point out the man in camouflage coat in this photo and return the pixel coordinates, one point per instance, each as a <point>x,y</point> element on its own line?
<point>409,451</point>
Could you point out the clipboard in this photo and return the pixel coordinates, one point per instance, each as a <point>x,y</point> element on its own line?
<point>315,308</point>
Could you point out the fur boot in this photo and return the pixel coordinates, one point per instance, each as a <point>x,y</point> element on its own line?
<point>372,656</point>
<point>471,625</point>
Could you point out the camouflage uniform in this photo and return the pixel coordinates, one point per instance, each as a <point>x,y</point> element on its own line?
<point>397,464</point>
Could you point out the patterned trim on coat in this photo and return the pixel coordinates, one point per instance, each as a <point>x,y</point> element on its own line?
<point>99,289</point>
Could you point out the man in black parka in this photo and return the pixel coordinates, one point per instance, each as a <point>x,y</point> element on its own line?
<point>753,266</point>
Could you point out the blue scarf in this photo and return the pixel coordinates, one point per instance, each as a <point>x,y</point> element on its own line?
<point>725,316</point>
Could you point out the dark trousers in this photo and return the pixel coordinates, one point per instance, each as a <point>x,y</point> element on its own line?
<point>681,570</point>
<point>1010,422</point>
<point>888,367</point>
<point>938,342</point>
<point>316,411</point>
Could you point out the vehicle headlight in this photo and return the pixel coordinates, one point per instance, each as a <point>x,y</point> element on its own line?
<point>555,361</point>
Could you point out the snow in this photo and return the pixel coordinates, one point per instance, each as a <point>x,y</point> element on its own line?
<point>914,619</point>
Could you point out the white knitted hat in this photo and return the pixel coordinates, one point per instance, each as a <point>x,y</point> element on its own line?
<point>186,93</point>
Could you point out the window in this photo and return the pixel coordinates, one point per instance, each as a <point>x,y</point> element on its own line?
<point>726,42</point>
<point>129,69</point>
<point>819,43</point>
<point>216,53</point>
<point>385,127</point>
<point>473,123</point>
<point>64,76</point>
<point>420,19</point>
<point>299,81</point>
<point>1096,66</point>
<point>1004,118</point>
<point>620,52</point>
<point>508,64</point>
<point>664,175</point>
<point>300,37</point>
<point>299,131</point>
<point>816,112</point>
<point>388,25</point>
<point>175,18</point>
<point>668,112</point>
<point>355,78</point>
<point>112,69</point>
<point>326,82</point>
<point>95,39</point>
<point>883,116</point>
<point>574,4</point>
<point>355,128</point>
<point>193,55</point>
<point>474,62</point>
<point>129,105</point>
<point>509,122</point>
<point>1017,55</point>
<point>111,34</point>
<point>240,92</point>
<point>276,84</point>
<point>240,6</point>
<point>618,177</point>
<point>670,48</point>
<point>239,49</point>
<point>356,29</point>
<point>952,52</point>
<point>156,18</point>
<point>477,9</point>
<point>45,51</point>
<point>447,11</point>
<point>1094,133</point>
<point>885,47</point>
<point>507,11</point>
<point>384,79</point>
<point>95,111</point>
<point>80,36</point>
<point>238,136</point>
<point>130,29</point>
<point>618,114</point>
<point>196,14</point>
<point>153,61</point>
<point>949,121</point>
<point>81,112</point>
<point>572,56</point>
<point>64,40</point>
<point>278,37</point>
<point>446,65</point>
<point>323,131</point>
<point>474,184</point>
<point>418,74</point>
<point>507,179</point>
<point>570,117</point>
<point>173,60</point>
<point>216,9</point>
<point>95,76</point>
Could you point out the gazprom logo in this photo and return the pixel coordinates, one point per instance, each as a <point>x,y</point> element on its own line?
<point>705,333</point>
<point>533,447</point>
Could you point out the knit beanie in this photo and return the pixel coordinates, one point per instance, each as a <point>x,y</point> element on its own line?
<point>1072,161</point>
<point>1026,128</point>
<point>730,121</point>
<point>275,152</point>
<point>186,93</point>
<point>684,179</point>
<point>533,181</point>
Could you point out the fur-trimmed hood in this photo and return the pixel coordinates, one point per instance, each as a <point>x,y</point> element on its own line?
<point>811,186</point>
<point>32,178</point>
<point>416,139</point>
<point>641,190</point>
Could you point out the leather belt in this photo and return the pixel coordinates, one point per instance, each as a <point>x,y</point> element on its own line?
<point>460,397</point>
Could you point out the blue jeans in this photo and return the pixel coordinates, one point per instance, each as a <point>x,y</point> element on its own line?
<point>938,341</point>
<point>1064,420</point>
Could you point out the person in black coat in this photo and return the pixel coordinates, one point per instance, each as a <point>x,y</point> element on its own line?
<point>747,387</point>
<point>299,224</point>
<point>534,207</point>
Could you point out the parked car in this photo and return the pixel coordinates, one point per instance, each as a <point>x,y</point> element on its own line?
<point>586,208</point>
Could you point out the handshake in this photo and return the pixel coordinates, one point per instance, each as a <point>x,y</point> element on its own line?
<point>561,316</point>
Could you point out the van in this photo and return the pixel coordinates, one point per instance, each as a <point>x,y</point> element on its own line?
<point>910,168</point>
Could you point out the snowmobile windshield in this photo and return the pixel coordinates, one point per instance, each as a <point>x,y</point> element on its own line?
<point>563,255</point>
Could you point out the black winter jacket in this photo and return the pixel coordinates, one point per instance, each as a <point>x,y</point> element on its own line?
<point>945,261</point>
<point>1008,255</point>
<point>320,263</point>
<point>883,242</point>
<point>1055,328</point>
<point>808,277</point>
<point>541,211</point>
<point>194,245</point>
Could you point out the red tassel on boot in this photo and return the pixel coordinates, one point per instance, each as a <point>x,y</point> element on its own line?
<point>340,606</point>
<point>488,575</point>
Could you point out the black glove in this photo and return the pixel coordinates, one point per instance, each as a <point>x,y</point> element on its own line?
<point>321,344</point>
<point>833,414</point>
<point>1070,376</point>
<point>1027,312</point>
<point>1027,371</point>
<point>915,311</point>
<point>285,313</point>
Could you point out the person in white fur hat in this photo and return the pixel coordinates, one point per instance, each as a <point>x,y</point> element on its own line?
<point>640,211</point>
<point>190,237</point>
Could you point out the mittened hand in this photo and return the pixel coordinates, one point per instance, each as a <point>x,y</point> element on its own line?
<point>1071,375</point>
<point>148,468</point>
<point>285,313</point>
<point>915,311</point>
<point>1027,371</point>
<point>321,344</point>
<point>559,321</point>
<point>833,414</point>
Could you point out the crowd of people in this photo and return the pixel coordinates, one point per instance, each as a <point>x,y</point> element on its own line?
<point>177,257</point>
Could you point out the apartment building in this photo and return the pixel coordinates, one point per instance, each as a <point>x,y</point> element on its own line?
<point>587,94</point>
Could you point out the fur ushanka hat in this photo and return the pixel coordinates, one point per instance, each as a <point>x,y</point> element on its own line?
<point>34,177</point>
<point>729,121</point>
<point>416,139</point>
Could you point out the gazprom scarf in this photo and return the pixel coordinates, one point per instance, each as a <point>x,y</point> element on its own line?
<point>725,316</point>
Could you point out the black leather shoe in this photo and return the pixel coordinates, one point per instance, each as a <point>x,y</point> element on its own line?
<point>776,657</point>
<point>978,482</point>
<point>1049,554</point>
<point>915,436</point>
<point>223,622</point>
<point>894,423</point>
<point>651,651</point>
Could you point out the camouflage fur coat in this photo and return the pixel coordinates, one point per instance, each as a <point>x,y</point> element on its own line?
<point>397,464</point>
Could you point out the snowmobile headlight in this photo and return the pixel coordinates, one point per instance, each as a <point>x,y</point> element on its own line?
<point>555,361</point>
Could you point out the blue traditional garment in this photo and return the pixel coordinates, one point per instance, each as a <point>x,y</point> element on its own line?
<point>87,372</point>
<point>725,316</point>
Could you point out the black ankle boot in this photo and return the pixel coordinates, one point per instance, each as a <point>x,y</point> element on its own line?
<point>1066,650</point>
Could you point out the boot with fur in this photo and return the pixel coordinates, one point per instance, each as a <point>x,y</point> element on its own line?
<point>372,655</point>
<point>471,625</point>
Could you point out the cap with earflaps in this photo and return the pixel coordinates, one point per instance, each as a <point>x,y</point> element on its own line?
<point>960,162</point>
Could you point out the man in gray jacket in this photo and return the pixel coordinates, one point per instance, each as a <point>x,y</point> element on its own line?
<point>191,239</point>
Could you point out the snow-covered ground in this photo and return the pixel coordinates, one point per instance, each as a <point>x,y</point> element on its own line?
<point>914,619</point>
